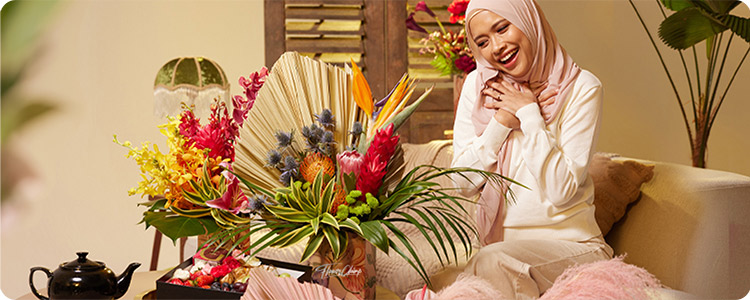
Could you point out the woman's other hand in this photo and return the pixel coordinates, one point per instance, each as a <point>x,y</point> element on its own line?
<point>504,117</point>
<point>511,98</point>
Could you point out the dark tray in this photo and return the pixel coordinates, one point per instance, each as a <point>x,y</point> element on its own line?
<point>165,290</point>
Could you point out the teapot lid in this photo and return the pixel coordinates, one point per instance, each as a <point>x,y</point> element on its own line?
<point>83,264</point>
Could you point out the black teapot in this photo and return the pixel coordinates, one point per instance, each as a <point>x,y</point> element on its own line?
<point>84,279</point>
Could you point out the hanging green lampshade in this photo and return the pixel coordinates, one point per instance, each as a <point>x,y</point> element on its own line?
<point>194,81</point>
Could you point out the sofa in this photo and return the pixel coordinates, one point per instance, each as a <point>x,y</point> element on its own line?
<point>689,227</point>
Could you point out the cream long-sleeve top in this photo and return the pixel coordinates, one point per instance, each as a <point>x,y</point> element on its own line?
<point>550,159</point>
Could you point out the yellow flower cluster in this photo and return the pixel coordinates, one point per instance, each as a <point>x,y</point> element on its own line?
<point>169,173</point>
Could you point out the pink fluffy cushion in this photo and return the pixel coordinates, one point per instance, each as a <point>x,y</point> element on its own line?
<point>616,184</point>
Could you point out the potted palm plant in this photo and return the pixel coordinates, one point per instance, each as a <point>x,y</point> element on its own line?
<point>693,22</point>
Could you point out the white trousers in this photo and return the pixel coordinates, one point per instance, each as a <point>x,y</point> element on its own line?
<point>524,269</point>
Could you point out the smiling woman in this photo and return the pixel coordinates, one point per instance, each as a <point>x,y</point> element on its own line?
<point>530,113</point>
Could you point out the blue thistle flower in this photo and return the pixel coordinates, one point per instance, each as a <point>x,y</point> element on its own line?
<point>290,164</point>
<point>273,158</point>
<point>327,137</point>
<point>287,176</point>
<point>284,139</point>
<point>326,118</point>
<point>356,129</point>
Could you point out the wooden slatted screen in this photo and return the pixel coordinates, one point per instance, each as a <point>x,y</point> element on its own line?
<point>373,33</point>
<point>335,31</point>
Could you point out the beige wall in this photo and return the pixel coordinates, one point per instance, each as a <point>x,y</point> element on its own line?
<point>101,58</point>
<point>100,63</point>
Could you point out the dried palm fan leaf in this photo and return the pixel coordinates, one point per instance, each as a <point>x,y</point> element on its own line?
<point>296,89</point>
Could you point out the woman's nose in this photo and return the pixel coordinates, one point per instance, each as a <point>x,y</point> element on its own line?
<point>497,46</point>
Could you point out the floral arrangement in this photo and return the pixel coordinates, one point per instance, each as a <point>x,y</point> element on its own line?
<point>192,184</point>
<point>326,198</point>
<point>451,53</point>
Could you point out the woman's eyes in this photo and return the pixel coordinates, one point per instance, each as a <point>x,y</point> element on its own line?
<point>502,28</point>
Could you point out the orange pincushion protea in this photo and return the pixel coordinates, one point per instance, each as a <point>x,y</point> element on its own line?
<point>339,197</point>
<point>314,163</point>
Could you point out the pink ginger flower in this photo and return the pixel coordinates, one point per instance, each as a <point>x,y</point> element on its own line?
<point>376,160</point>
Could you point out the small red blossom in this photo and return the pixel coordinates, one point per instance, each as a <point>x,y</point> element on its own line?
<point>231,262</point>
<point>458,10</point>
<point>220,271</point>
<point>251,85</point>
<point>376,160</point>
<point>465,63</point>
<point>421,6</point>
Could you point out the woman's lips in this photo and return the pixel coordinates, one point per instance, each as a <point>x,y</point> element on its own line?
<point>509,59</point>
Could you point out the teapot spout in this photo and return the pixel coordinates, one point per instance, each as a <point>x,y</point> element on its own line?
<point>123,281</point>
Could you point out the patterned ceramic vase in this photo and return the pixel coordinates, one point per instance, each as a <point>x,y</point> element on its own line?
<point>353,273</point>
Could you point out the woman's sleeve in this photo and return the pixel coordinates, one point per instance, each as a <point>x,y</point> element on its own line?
<point>559,164</point>
<point>471,150</point>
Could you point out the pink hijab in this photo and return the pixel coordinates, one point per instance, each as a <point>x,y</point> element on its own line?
<point>551,65</point>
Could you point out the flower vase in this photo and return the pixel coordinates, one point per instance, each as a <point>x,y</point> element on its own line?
<point>353,273</point>
<point>458,84</point>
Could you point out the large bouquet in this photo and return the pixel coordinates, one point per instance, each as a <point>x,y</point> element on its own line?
<point>450,51</point>
<point>331,188</point>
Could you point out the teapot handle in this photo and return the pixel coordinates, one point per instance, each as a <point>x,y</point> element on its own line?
<point>31,281</point>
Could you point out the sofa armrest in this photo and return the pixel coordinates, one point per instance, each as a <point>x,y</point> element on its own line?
<point>690,228</point>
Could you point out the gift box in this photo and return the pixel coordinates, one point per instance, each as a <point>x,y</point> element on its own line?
<point>165,290</point>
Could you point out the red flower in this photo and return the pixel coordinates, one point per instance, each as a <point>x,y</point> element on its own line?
<point>376,160</point>
<point>458,10</point>
<point>413,25</point>
<point>421,6</point>
<point>465,63</point>
<point>251,86</point>
<point>231,262</point>
<point>219,271</point>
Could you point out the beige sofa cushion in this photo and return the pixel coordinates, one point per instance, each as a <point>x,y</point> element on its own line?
<point>616,184</point>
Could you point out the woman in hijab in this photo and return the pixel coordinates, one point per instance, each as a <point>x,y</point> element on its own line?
<point>530,113</point>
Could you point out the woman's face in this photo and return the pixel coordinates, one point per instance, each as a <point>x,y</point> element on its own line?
<point>501,43</point>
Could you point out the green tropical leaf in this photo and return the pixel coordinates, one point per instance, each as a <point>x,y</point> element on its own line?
<point>446,235</point>
<point>676,5</point>
<point>327,218</point>
<point>460,232</point>
<point>288,214</point>
<point>722,6</point>
<point>326,197</point>
<point>740,26</point>
<point>332,236</point>
<point>688,27</point>
<point>312,246</point>
<point>252,187</point>
<point>191,213</point>
<point>407,243</point>
<point>373,232</point>
<point>409,219</point>
<point>315,223</point>
<point>175,226</point>
<point>348,223</point>
<point>294,236</point>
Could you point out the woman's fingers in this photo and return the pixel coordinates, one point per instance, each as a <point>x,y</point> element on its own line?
<point>548,97</point>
